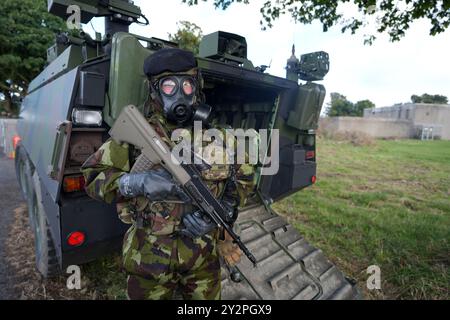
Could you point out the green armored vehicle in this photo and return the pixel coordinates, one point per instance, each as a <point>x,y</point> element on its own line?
<point>74,102</point>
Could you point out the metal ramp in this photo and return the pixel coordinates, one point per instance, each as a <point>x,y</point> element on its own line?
<point>288,268</point>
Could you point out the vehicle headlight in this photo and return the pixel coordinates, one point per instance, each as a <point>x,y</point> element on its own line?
<point>87,117</point>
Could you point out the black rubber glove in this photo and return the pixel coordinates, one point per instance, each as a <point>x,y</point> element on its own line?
<point>156,185</point>
<point>197,224</point>
<point>230,201</point>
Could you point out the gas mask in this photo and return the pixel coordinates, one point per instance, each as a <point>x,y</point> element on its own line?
<point>179,100</point>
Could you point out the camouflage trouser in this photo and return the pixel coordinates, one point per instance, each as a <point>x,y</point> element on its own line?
<point>159,266</point>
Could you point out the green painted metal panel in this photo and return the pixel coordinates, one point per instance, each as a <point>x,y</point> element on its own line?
<point>305,115</point>
<point>42,112</point>
<point>69,59</point>
<point>127,82</point>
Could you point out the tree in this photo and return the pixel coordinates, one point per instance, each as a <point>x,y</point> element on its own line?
<point>361,105</point>
<point>391,16</point>
<point>188,36</point>
<point>428,98</point>
<point>26,33</point>
<point>341,107</point>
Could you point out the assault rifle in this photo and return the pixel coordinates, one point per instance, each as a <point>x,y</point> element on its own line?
<point>132,127</point>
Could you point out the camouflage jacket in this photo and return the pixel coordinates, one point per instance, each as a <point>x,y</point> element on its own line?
<point>103,169</point>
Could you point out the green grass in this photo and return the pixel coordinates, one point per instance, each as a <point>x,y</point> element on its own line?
<point>105,279</point>
<point>385,205</point>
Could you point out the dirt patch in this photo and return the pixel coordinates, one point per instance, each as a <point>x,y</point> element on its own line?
<point>26,280</point>
<point>356,138</point>
<point>10,198</point>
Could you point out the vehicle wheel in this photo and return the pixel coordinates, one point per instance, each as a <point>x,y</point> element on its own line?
<point>46,258</point>
<point>21,169</point>
<point>24,173</point>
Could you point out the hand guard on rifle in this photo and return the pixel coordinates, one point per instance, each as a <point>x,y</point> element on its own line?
<point>156,185</point>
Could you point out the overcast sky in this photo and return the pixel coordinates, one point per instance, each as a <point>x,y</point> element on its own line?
<point>385,73</point>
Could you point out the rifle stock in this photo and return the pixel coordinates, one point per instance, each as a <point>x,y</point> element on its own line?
<point>131,127</point>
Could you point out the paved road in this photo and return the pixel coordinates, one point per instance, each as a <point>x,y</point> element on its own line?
<point>10,199</point>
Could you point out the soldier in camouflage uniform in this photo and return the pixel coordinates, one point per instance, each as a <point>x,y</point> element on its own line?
<point>170,246</point>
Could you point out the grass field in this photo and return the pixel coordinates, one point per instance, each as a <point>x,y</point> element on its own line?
<point>388,205</point>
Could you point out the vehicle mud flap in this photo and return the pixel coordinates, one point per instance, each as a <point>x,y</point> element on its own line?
<point>288,267</point>
<point>46,258</point>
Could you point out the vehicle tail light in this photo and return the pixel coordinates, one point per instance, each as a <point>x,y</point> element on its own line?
<point>310,154</point>
<point>16,140</point>
<point>76,239</point>
<point>313,179</point>
<point>73,183</point>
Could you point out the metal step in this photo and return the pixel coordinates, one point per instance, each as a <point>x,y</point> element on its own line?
<point>288,266</point>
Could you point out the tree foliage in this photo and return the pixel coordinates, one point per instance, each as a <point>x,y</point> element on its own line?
<point>27,30</point>
<point>361,105</point>
<point>188,36</point>
<point>392,16</point>
<point>341,107</point>
<point>429,98</point>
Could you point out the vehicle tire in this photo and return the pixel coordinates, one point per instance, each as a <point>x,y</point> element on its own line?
<point>21,170</point>
<point>46,258</point>
<point>24,174</point>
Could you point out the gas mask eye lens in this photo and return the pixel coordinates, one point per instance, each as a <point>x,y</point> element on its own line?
<point>168,86</point>
<point>188,87</point>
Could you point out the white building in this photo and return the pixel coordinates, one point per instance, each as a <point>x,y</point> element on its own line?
<point>424,119</point>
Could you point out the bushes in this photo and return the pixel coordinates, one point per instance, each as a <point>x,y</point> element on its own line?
<point>356,138</point>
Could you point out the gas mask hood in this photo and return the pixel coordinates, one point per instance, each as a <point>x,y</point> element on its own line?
<point>178,97</point>
<point>175,85</point>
